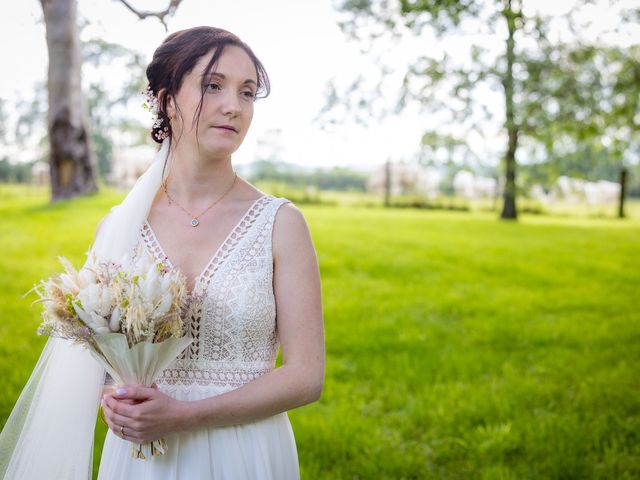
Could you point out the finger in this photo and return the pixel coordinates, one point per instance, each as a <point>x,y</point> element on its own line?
<point>116,423</point>
<point>128,401</point>
<point>134,392</point>
<point>127,434</point>
<point>124,408</point>
<point>113,426</point>
<point>118,420</point>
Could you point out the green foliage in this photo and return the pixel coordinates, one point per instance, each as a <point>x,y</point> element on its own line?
<point>458,346</point>
<point>14,172</point>
<point>420,201</point>
<point>297,194</point>
<point>582,101</point>
<point>441,11</point>
<point>335,178</point>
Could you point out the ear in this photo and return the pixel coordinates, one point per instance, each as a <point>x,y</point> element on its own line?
<point>171,104</point>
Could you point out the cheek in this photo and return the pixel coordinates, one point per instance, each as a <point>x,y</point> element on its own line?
<point>249,115</point>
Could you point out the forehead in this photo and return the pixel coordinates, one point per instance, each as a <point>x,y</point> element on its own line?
<point>233,63</point>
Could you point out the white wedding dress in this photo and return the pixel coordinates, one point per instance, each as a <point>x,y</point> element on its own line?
<point>232,320</point>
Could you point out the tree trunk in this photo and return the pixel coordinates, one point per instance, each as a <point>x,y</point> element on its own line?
<point>509,210</point>
<point>623,187</point>
<point>71,162</point>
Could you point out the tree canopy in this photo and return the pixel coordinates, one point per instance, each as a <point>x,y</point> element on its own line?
<point>564,97</point>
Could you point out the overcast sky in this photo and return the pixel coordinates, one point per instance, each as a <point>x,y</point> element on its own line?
<point>298,41</point>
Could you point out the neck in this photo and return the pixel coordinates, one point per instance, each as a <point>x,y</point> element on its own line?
<point>195,181</point>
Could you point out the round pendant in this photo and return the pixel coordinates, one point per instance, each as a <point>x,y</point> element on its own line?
<point>195,222</point>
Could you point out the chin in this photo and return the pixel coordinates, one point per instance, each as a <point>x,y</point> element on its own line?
<point>218,150</point>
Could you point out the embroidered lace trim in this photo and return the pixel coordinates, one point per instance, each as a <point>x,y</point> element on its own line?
<point>231,312</point>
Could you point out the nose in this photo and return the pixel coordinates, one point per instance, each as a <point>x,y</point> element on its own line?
<point>231,103</point>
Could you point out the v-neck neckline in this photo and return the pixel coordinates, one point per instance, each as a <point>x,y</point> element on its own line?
<point>197,280</point>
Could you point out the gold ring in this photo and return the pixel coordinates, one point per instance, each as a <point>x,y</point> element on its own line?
<point>122,430</point>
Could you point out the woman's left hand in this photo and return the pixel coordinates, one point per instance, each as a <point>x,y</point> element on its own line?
<point>145,413</point>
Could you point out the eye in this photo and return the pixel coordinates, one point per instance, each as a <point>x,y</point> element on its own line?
<point>249,95</point>
<point>212,87</point>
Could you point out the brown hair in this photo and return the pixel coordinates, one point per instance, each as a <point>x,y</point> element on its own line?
<point>178,55</point>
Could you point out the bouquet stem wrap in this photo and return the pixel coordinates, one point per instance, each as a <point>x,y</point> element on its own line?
<point>140,364</point>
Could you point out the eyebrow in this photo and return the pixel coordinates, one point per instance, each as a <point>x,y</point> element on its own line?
<point>222,76</point>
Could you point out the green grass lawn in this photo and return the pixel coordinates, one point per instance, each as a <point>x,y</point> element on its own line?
<point>458,345</point>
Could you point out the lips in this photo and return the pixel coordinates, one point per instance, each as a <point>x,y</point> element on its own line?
<point>227,127</point>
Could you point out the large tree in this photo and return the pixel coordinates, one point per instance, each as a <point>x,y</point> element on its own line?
<point>71,160</point>
<point>529,71</point>
<point>72,163</point>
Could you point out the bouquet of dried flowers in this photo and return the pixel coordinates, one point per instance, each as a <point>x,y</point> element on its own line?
<point>128,315</point>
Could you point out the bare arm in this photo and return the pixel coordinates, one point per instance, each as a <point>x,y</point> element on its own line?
<point>297,382</point>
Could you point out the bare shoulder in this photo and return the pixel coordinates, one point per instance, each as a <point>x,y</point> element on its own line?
<point>289,215</point>
<point>289,221</point>
<point>290,231</point>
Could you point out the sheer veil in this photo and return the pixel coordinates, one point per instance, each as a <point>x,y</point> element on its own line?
<point>50,431</point>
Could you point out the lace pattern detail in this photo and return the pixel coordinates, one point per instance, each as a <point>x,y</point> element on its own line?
<point>202,372</point>
<point>231,310</point>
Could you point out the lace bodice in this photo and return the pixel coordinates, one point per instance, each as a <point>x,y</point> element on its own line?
<point>231,311</point>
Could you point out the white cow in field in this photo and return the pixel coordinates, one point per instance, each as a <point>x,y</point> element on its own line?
<point>576,190</point>
<point>470,186</point>
<point>129,163</point>
<point>406,178</point>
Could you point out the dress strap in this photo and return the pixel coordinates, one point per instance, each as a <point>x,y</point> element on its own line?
<point>275,204</point>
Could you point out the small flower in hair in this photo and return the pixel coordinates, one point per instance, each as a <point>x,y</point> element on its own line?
<point>152,105</point>
<point>151,102</point>
<point>162,134</point>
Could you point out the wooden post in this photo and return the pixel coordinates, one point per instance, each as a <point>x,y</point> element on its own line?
<point>387,183</point>
<point>623,184</point>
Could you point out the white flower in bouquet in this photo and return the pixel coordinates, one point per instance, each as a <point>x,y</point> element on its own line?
<point>94,305</point>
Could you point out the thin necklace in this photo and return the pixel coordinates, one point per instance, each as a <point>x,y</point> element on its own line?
<point>194,218</point>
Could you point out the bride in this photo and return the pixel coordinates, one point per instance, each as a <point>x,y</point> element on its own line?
<point>254,288</point>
